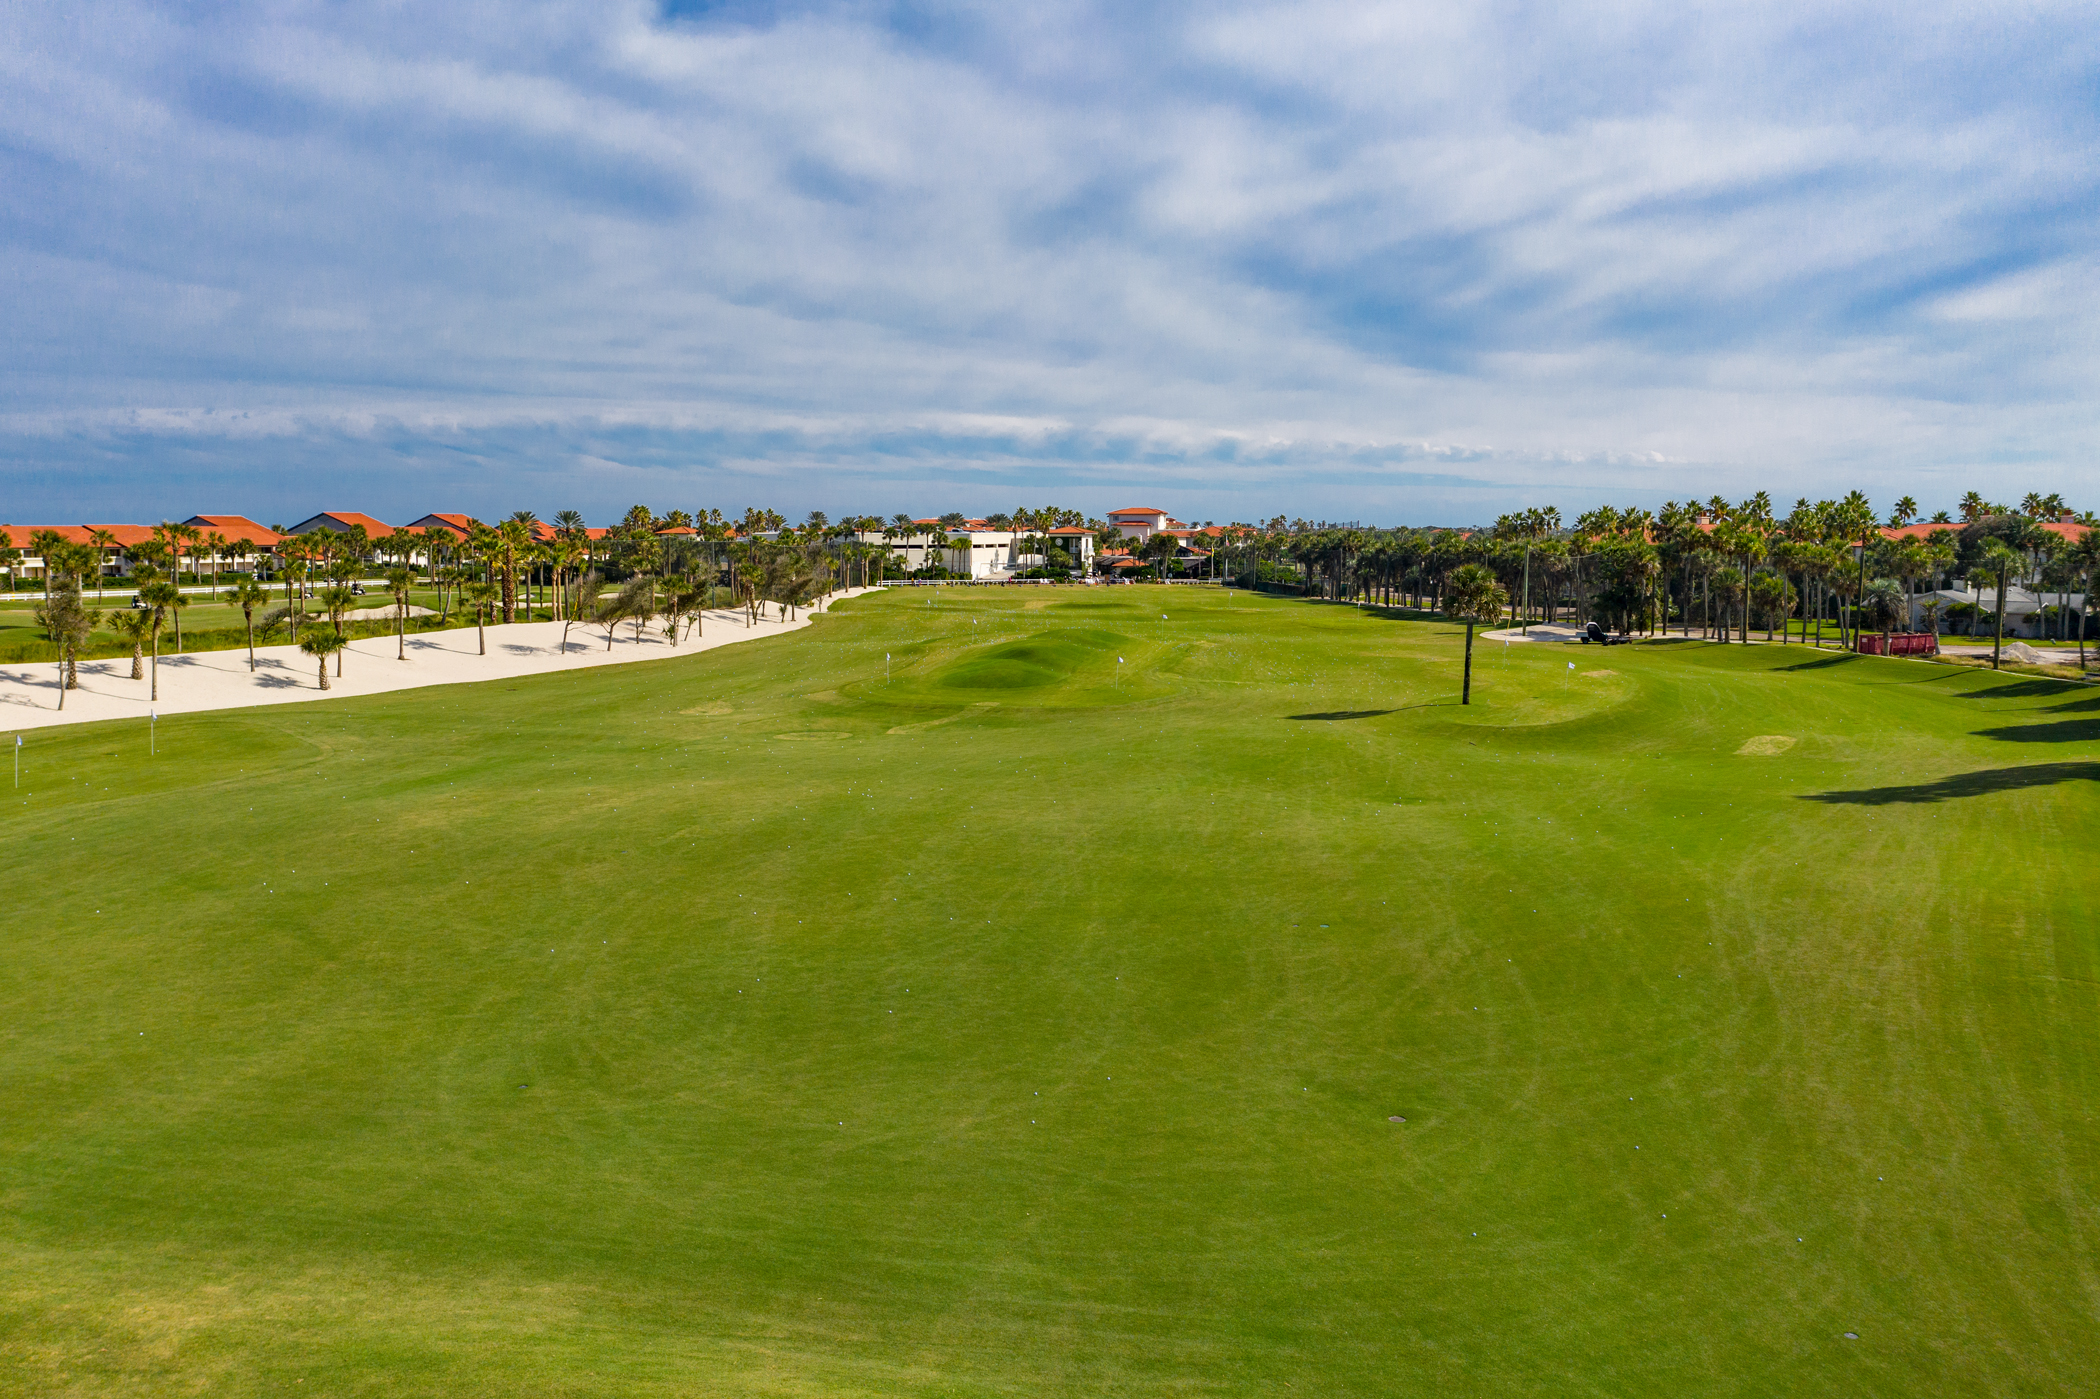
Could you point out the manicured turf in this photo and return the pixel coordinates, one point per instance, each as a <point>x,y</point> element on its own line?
<point>1032,1023</point>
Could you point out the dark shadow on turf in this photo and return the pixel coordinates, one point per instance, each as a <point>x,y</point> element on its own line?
<point>1846,659</point>
<point>2021,689</point>
<point>1334,714</point>
<point>1965,784</point>
<point>2063,731</point>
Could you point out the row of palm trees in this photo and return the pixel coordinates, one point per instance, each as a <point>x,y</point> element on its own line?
<point>1730,565</point>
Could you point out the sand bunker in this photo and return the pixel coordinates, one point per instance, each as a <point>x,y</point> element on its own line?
<point>203,680</point>
<point>385,614</point>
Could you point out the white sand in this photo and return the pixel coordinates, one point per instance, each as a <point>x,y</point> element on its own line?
<point>204,680</point>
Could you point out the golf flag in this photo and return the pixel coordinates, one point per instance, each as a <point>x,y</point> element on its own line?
<point>1571,665</point>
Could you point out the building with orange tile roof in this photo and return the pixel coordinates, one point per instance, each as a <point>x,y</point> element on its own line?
<point>342,522</point>
<point>236,527</point>
<point>459,526</point>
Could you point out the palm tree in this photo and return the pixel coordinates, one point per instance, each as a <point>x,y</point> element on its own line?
<point>1884,601</point>
<point>337,599</point>
<point>321,643</point>
<point>160,597</point>
<point>2085,557</point>
<point>132,623</point>
<point>611,611</point>
<point>481,595</point>
<point>177,605</point>
<point>564,554</point>
<point>513,539</point>
<point>581,604</point>
<point>106,542</point>
<point>1727,584</point>
<point>64,616</point>
<point>1773,596</point>
<point>295,554</point>
<point>1853,522</point>
<point>1999,560</point>
<point>216,543</point>
<point>436,541</point>
<point>1472,593</point>
<point>638,602</point>
<point>247,594</point>
<point>399,580</point>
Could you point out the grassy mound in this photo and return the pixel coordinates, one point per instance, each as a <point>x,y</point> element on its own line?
<point>930,1002</point>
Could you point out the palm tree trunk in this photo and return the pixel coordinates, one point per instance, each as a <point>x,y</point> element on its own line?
<point>155,693</point>
<point>1465,694</point>
<point>1998,628</point>
<point>2081,619</point>
<point>324,672</point>
<point>249,614</point>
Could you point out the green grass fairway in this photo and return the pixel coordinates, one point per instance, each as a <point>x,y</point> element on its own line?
<point>1032,1022</point>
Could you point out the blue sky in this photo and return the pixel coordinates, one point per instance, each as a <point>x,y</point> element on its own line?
<point>1403,264</point>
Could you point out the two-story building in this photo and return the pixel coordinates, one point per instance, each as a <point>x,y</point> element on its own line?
<point>1141,522</point>
<point>976,549</point>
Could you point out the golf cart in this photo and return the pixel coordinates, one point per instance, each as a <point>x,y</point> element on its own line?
<point>1596,633</point>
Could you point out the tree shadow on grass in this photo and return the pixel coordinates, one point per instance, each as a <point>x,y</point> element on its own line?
<point>1824,664</point>
<point>2062,731</point>
<point>2021,689</point>
<point>1964,784</point>
<point>1334,714</point>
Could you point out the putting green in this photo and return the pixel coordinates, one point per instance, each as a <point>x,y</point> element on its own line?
<point>1029,1013</point>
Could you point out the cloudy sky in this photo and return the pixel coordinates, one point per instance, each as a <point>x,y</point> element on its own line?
<point>1395,263</point>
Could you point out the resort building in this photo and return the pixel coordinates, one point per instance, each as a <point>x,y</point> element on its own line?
<point>1141,522</point>
<point>975,549</point>
<point>2029,615</point>
<point>342,522</point>
<point>225,544</point>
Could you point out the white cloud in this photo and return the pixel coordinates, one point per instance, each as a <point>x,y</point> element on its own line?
<point>1270,252</point>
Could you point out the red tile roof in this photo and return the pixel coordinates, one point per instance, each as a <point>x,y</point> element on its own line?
<point>1136,510</point>
<point>126,535</point>
<point>461,525</point>
<point>343,520</point>
<point>1923,530</point>
<point>235,527</point>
